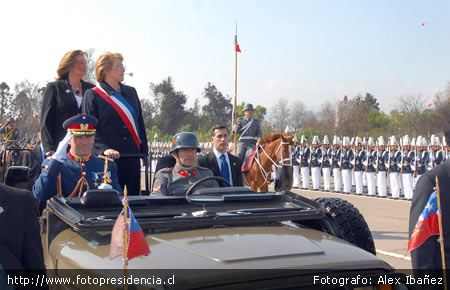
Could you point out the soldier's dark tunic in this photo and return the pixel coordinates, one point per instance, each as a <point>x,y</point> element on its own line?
<point>176,180</point>
<point>72,172</point>
<point>10,135</point>
<point>249,130</point>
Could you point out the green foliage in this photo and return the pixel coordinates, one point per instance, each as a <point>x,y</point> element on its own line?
<point>218,109</point>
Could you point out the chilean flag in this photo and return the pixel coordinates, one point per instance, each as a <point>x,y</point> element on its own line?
<point>427,225</point>
<point>137,245</point>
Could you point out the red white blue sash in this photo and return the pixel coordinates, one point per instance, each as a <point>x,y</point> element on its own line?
<point>123,111</point>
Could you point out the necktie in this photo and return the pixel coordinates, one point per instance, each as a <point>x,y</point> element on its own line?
<point>224,169</point>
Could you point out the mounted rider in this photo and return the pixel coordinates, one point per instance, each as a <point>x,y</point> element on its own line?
<point>249,130</point>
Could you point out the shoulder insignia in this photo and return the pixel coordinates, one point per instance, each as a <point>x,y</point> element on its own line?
<point>167,169</point>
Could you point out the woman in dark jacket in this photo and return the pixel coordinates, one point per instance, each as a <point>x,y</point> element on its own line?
<point>62,98</point>
<point>120,128</point>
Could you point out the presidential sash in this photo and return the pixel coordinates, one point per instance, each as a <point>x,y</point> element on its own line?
<point>125,111</point>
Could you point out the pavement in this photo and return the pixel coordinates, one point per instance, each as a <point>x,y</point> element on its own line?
<point>388,221</point>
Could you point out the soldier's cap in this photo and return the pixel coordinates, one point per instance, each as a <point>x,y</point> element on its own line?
<point>81,125</point>
<point>248,106</point>
<point>11,120</point>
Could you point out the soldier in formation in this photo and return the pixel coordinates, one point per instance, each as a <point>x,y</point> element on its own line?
<point>355,164</point>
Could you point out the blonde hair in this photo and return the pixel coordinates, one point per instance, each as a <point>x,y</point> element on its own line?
<point>104,64</point>
<point>67,62</point>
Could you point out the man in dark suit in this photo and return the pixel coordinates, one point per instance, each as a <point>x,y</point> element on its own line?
<point>428,255</point>
<point>219,160</point>
<point>20,242</point>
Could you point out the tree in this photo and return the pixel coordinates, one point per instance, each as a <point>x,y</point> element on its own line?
<point>410,109</point>
<point>218,109</point>
<point>280,113</point>
<point>297,115</point>
<point>259,112</point>
<point>148,112</point>
<point>170,106</point>
<point>371,101</point>
<point>5,99</point>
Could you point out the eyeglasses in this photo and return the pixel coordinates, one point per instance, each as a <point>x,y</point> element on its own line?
<point>120,66</point>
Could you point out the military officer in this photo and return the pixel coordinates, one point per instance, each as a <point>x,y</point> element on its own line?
<point>380,169</point>
<point>347,155</point>
<point>71,173</point>
<point>10,132</point>
<point>249,131</point>
<point>370,163</point>
<point>304,161</point>
<point>393,168</point>
<point>358,167</point>
<point>336,163</point>
<point>436,156</point>
<point>422,158</point>
<point>295,164</point>
<point>407,168</point>
<point>176,180</point>
<point>325,163</point>
<point>314,162</point>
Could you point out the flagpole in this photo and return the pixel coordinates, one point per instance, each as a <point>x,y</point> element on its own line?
<point>235,90</point>
<point>441,233</point>
<point>125,236</point>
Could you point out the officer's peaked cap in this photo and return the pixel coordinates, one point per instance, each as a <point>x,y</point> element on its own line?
<point>11,120</point>
<point>81,124</point>
<point>248,106</point>
<point>185,140</point>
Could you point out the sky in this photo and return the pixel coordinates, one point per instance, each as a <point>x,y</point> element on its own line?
<point>316,51</point>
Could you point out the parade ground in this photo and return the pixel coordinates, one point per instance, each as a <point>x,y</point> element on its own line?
<point>388,221</point>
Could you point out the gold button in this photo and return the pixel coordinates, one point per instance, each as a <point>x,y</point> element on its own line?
<point>46,166</point>
<point>84,173</point>
<point>82,164</point>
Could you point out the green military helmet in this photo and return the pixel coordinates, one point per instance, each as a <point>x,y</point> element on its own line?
<point>185,140</point>
<point>248,106</point>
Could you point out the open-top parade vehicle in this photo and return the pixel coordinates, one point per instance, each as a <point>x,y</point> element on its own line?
<point>217,238</point>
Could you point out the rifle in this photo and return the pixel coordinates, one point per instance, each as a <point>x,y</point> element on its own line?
<point>378,161</point>
<point>310,158</point>
<point>323,158</point>
<point>354,160</point>
<point>415,161</point>
<point>401,148</point>
<point>367,159</point>
<point>342,153</point>
<point>389,160</point>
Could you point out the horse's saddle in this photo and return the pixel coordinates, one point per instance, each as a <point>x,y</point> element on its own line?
<point>249,157</point>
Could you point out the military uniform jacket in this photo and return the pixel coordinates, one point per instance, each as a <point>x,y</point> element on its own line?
<point>176,180</point>
<point>248,129</point>
<point>408,162</point>
<point>382,159</point>
<point>395,160</point>
<point>336,158</point>
<point>304,156</point>
<point>72,173</point>
<point>423,158</point>
<point>370,161</point>
<point>296,156</point>
<point>436,158</point>
<point>316,155</point>
<point>326,157</point>
<point>346,158</point>
<point>9,135</point>
<point>358,159</point>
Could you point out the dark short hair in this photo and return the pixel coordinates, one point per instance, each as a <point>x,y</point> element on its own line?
<point>218,127</point>
<point>447,133</point>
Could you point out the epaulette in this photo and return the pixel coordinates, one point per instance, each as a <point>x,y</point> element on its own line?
<point>167,169</point>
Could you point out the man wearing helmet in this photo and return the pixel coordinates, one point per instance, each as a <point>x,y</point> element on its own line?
<point>249,131</point>
<point>176,180</point>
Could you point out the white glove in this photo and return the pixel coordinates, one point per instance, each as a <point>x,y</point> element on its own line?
<point>61,151</point>
<point>105,186</point>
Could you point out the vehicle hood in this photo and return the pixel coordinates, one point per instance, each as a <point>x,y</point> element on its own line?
<point>255,247</point>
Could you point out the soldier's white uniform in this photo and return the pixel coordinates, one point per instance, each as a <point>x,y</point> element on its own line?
<point>325,164</point>
<point>369,163</point>
<point>382,156</point>
<point>358,168</point>
<point>407,165</point>
<point>304,162</point>
<point>394,173</point>
<point>347,155</point>
<point>316,155</point>
<point>336,164</point>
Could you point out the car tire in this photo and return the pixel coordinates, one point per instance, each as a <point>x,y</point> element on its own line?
<point>362,237</point>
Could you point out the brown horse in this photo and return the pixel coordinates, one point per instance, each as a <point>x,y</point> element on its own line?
<point>271,150</point>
